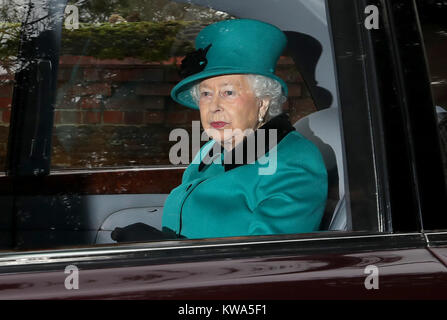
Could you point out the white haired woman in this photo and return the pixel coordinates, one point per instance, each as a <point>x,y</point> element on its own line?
<point>257,176</point>
<point>231,80</point>
<point>266,91</point>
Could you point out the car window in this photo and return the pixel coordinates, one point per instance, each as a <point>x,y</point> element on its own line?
<point>117,67</point>
<point>434,28</point>
<point>113,111</point>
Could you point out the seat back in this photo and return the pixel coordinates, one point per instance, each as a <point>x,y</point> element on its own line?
<point>323,129</point>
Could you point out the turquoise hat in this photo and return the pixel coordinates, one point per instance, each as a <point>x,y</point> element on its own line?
<point>238,46</point>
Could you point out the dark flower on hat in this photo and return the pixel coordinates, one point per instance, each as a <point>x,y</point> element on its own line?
<point>194,62</point>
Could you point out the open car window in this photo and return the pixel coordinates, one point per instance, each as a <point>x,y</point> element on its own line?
<point>112,116</point>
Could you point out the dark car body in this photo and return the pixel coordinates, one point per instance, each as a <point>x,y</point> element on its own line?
<point>395,191</point>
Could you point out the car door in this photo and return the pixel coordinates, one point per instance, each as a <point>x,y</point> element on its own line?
<point>63,214</point>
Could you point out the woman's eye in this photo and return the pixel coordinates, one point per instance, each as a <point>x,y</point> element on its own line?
<point>205,94</point>
<point>229,93</point>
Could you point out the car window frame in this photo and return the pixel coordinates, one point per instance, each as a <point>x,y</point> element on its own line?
<point>419,123</point>
<point>377,217</point>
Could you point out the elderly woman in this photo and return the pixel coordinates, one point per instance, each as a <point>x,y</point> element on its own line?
<point>243,182</point>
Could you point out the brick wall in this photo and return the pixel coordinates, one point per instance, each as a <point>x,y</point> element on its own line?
<point>119,113</point>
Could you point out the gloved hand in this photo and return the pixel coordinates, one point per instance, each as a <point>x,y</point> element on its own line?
<point>139,232</point>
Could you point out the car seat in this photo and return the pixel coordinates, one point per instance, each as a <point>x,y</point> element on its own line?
<point>323,129</point>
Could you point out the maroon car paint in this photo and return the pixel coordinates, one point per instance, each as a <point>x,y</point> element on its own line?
<point>403,274</point>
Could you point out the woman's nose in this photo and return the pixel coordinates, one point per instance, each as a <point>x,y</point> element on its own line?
<point>216,103</point>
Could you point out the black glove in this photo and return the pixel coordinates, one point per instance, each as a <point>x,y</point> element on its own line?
<point>141,232</point>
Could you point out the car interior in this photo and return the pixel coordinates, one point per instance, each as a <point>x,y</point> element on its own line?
<point>90,219</point>
<point>313,56</point>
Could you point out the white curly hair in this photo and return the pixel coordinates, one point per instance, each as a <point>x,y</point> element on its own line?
<point>263,87</point>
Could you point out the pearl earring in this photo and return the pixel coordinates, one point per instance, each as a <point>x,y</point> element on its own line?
<point>261,118</point>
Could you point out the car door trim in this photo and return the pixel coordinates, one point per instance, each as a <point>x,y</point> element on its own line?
<point>209,249</point>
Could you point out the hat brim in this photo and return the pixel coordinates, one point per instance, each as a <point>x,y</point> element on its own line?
<point>181,93</point>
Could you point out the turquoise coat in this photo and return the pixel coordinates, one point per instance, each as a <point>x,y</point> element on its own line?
<point>224,200</point>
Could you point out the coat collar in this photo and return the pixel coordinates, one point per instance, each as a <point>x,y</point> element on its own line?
<point>279,123</point>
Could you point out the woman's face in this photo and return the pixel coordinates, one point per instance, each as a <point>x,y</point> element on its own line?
<point>228,107</point>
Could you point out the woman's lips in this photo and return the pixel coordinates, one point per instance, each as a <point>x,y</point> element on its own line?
<point>218,124</point>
